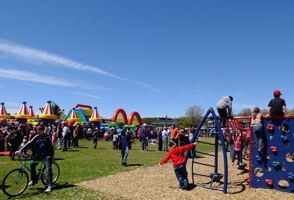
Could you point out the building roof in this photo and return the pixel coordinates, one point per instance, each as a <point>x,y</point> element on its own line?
<point>164,122</point>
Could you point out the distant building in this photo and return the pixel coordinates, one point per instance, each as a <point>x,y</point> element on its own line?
<point>106,121</point>
<point>164,122</point>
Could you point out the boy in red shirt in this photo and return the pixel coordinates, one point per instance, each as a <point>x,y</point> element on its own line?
<point>177,155</point>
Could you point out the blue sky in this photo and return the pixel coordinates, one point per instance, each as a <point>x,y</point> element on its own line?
<point>156,57</point>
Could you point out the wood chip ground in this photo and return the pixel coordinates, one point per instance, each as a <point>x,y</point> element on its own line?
<point>159,182</point>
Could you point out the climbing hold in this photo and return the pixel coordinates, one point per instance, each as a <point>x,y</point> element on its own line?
<point>291,175</point>
<point>274,149</point>
<point>276,163</point>
<point>268,181</point>
<point>258,158</point>
<point>284,137</point>
<point>270,127</point>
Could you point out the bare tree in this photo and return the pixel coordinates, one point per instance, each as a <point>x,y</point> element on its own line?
<point>195,113</point>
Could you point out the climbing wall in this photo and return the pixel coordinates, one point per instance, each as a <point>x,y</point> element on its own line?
<point>273,168</point>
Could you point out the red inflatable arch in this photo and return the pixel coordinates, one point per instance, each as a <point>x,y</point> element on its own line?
<point>119,116</point>
<point>83,106</point>
<point>134,119</point>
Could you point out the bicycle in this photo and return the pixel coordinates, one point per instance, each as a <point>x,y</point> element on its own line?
<point>16,181</point>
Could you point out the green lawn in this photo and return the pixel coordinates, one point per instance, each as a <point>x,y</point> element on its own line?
<point>85,163</point>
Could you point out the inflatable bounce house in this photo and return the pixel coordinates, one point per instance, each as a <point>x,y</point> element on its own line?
<point>120,118</point>
<point>50,112</point>
<point>83,115</point>
<point>3,115</point>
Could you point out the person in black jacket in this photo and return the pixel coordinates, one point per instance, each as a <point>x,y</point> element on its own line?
<point>15,141</point>
<point>42,149</point>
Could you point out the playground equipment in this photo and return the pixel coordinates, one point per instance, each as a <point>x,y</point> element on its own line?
<point>214,176</point>
<point>273,168</point>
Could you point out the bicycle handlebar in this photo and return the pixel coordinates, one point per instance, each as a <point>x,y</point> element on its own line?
<point>25,156</point>
<point>22,155</point>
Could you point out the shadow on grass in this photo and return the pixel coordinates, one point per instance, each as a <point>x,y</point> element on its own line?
<point>72,150</point>
<point>40,190</point>
<point>131,165</point>
<point>62,185</point>
<point>82,147</point>
<point>59,159</point>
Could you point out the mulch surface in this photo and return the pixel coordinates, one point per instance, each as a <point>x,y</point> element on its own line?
<point>159,182</point>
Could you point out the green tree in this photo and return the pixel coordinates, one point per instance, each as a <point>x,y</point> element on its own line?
<point>291,112</point>
<point>149,120</point>
<point>185,122</point>
<point>245,112</point>
<point>264,112</point>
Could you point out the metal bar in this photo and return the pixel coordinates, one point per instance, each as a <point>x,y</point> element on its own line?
<point>204,164</point>
<point>209,187</point>
<point>205,153</point>
<point>201,175</point>
<point>206,143</point>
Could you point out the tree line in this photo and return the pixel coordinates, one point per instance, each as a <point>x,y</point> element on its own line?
<point>194,114</point>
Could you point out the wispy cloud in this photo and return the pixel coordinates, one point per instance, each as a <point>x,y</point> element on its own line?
<point>88,95</point>
<point>34,77</point>
<point>46,57</point>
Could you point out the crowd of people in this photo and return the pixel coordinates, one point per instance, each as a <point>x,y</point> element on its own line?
<point>18,137</point>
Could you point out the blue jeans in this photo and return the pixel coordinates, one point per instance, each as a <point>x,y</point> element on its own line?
<point>49,173</point>
<point>232,146</point>
<point>144,144</point>
<point>258,136</point>
<point>182,175</point>
<point>124,154</point>
<point>64,148</point>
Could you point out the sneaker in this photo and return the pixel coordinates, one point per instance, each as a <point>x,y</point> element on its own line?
<point>31,183</point>
<point>48,189</point>
<point>123,163</point>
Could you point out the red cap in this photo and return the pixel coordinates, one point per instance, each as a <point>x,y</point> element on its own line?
<point>277,92</point>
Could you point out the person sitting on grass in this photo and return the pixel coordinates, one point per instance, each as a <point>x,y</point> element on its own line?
<point>177,155</point>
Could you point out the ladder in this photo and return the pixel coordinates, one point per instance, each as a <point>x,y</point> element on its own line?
<point>215,176</point>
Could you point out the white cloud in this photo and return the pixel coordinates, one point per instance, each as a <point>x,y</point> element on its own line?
<point>88,95</point>
<point>43,56</point>
<point>34,77</point>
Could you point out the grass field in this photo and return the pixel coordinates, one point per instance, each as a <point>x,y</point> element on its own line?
<point>85,163</point>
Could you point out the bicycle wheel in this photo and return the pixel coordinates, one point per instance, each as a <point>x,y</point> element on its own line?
<point>15,182</point>
<point>55,173</point>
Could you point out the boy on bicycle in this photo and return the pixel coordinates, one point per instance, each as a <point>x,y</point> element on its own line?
<point>42,149</point>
